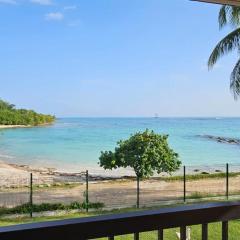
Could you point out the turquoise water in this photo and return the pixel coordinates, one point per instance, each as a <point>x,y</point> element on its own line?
<point>75,142</point>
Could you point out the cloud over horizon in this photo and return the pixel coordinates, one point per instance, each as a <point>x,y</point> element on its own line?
<point>42,2</point>
<point>71,7</point>
<point>54,16</point>
<point>8,2</point>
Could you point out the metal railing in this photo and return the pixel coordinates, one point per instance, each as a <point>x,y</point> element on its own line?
<point>128,223</point>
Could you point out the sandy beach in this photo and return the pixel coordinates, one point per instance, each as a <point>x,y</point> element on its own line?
<point>13,175</point>
<point>59,187</point>
<point>23,126</point>
<point>13,126</point>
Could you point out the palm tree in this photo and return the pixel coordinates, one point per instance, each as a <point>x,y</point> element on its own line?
<point>229,15</point>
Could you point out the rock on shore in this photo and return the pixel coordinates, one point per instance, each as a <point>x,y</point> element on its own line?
<point>226,140</point>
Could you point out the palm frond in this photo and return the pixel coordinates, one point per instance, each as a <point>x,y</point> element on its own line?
<point>222,16</point>
<point>226,45</point>
<point>229,15</point>
<point>234,16</point>
<point>235,80</point>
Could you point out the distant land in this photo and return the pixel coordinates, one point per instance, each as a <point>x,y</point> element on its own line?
<point>12,117</point>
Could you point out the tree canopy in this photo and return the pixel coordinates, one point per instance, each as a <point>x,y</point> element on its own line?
<point>145,152</point>
<point>9,115</point>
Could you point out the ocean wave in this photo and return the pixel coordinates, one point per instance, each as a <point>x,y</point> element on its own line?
<point>6,156</point>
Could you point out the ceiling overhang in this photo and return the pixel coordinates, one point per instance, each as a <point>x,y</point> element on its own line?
<point>224,2</point>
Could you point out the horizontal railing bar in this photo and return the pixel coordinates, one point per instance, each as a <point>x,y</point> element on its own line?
<point>125,223</point>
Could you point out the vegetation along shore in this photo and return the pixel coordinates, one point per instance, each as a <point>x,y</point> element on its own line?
<point>11,117</point>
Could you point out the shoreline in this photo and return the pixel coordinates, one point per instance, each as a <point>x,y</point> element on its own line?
<point>50,175</point>
<point>14,126</point>
<point>24,126</point>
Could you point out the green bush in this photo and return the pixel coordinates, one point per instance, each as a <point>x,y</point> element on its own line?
<point>27,208</point>
<point>76,205</point>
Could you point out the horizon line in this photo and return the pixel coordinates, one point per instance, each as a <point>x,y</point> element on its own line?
<point>147,117</point>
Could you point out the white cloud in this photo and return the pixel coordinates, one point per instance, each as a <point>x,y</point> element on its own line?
<point>72,7</point>
<point>42,2</point>
<point>54,16</point>
<point>8,1</point>
<point>75,23</point>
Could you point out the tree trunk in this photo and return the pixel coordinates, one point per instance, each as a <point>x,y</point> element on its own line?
<point>138,191</point>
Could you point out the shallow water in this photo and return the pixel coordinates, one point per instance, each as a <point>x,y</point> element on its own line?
<point>77,142</point>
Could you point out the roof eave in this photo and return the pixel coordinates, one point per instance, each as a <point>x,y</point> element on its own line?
<point>223,2</point>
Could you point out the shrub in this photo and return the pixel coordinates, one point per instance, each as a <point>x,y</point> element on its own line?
<point>26,208</point>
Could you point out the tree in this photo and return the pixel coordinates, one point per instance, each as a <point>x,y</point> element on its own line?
<point>229,15</point>
<point>144,152</point>
<point>9,115</point>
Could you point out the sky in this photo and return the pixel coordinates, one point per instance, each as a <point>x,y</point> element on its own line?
<point>114,58</point>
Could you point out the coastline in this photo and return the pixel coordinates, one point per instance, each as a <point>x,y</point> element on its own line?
<point>17,175</point>
<point>24,126</point>
<point>50,175</point>
<point>74,144</point>
<point>13,126</point>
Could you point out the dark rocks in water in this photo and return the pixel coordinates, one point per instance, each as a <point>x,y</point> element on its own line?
<point>222,139</point>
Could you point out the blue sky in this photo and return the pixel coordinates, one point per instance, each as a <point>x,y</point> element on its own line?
<point>113,58</point>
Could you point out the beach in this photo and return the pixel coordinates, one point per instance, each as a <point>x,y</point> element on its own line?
<point>51,186</point>
<point>24,126</point>
<point>13,126</point>
<point>11,174</point>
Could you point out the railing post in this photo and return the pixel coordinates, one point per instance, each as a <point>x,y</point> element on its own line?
<point>227,180</point>
<point>136,236</point>
<point>86,194</point>
<point>160,234</point>
<point>205,231</point>
<point>224,230</point>
<point>138,191</point>
<point>183,233</point>
<point>184,184</point>
<point>31,195</point>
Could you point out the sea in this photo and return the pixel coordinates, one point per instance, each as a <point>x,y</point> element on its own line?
<point>75,144</point>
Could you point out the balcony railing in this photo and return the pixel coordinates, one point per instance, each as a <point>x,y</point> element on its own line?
<point>127,223</point>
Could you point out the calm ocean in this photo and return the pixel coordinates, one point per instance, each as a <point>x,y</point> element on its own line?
<point>76,142</point>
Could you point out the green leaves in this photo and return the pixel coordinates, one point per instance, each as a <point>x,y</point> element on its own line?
<point>144,152</point>
<point>228,15</point>
<point>226,45</point>
<point>235,80</point>
<point>11,116</point>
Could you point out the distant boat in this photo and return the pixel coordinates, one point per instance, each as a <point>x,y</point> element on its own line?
<point>156,115</point>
